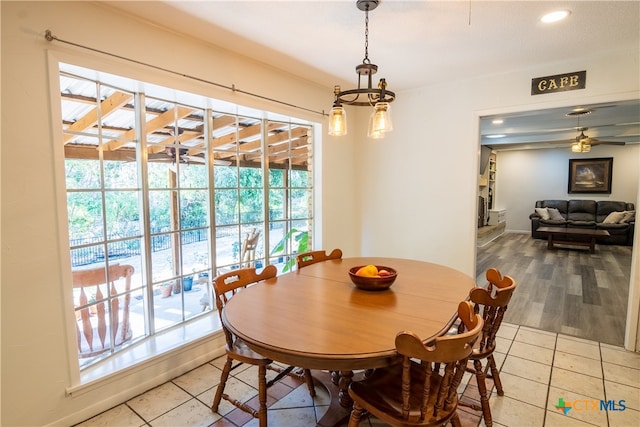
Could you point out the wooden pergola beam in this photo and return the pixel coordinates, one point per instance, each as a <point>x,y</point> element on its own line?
<point>112,103</point>
<point>164,119</point>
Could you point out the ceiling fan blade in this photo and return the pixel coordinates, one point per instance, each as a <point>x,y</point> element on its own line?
<point>193,159</point>
<point>202,160</point>
<point>159,157</point>
<point>597,142</point>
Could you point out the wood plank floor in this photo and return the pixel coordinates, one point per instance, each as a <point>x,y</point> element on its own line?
<point>568,291</point>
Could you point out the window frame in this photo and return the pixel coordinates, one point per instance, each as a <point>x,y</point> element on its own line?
<point>60,158</point>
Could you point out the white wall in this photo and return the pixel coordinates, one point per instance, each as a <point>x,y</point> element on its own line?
<point>528,175</point>
<point>412,194</point>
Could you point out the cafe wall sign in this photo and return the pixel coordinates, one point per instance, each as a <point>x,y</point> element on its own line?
<point>558,83</point>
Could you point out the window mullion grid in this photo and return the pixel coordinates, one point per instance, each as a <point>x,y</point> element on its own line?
<point>208,141</point>
<point>264,146</point>
<point>176,193</point>
<point>143,171</point>
<point>238,186</point>
<point>103,199</point>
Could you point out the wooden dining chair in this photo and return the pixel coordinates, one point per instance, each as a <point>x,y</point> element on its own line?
<point>491,302</point>
<point>417,392</point>
<point>312,257</point>
<point>102,309</point>
<point>225,286</point>
<point>249,246</point>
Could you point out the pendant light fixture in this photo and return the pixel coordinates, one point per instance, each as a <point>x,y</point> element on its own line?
<point>378,98</point>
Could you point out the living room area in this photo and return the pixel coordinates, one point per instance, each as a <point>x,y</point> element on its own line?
<point>564,289</point>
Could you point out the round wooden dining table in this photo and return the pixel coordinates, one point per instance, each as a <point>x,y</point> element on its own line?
<point>316,318</point>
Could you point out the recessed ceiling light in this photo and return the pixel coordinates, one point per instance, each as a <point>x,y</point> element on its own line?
<point>555,16</point>
<point>497,121</point>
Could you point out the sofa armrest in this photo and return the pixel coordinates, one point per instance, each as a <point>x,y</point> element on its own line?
<point>535,223</point>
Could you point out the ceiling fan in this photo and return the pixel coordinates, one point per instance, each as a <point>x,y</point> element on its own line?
<point>583,143</point>
<point>169,155</point>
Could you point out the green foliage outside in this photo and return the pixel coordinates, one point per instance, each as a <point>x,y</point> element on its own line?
<point>238,198</point>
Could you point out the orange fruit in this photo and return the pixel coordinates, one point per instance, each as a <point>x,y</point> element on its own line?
<point>367,271</point>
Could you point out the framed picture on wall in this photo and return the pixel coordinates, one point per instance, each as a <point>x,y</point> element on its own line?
<point>590,175</point>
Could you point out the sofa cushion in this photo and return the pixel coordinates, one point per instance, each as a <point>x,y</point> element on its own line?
<point>605,207</point>
<point>543,213</point>
<point>629,216</point>
<point>612,226</point>
<point>554,214</point>
<point>553,222</point>
<point>561,205</point>
<point>581,210</point>
<point>614,217</point>
<point>581,224</point>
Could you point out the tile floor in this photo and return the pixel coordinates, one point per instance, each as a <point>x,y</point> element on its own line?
<point>537,369</point>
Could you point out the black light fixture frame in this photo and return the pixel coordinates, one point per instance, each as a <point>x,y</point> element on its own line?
<point>372,95</point>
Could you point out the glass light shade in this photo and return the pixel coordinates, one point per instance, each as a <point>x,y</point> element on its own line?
<point>380,120</point>
<point>337,121</point>
<point>375,134</point>
<point>581,147</point>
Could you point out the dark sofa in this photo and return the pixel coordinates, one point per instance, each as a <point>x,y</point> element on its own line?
<point>586,214</point>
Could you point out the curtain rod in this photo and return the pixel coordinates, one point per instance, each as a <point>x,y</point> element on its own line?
<point>50,37</point>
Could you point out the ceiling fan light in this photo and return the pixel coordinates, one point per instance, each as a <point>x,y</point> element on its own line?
<point>586,146</point>
<point>576,147</point>
<point>338,121</point>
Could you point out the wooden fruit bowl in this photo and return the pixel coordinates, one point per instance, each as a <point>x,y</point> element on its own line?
<point>373,283</point>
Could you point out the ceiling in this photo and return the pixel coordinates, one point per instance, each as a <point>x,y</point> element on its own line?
<point>615,122</point>
<point>420,43</point>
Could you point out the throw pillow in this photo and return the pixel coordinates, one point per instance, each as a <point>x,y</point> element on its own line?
<point>543,212</point>
<point>628,217</point>
<point>613,218</point>
<point>555,215</point>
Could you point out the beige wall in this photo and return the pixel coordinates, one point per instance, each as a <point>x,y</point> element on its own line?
<point>35,350</point>
<point>409,195</point>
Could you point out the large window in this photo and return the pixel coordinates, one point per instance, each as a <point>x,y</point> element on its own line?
<point>178,190</point>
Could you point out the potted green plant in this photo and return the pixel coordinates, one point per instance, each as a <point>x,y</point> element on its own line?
<point>301,237</point>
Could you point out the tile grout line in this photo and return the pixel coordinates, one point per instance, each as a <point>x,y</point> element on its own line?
<point>546,402</point>
<point>604,387</point>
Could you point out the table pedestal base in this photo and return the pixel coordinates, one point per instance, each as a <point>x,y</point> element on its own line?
<point>336,414</point>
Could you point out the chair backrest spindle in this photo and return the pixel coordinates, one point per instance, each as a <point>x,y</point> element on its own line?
<point>92,339</point>
<point>450,350</point>
<point>228,284</point>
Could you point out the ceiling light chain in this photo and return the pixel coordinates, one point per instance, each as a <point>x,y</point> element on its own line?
<point>377,97</point>
<point>366,35</point>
